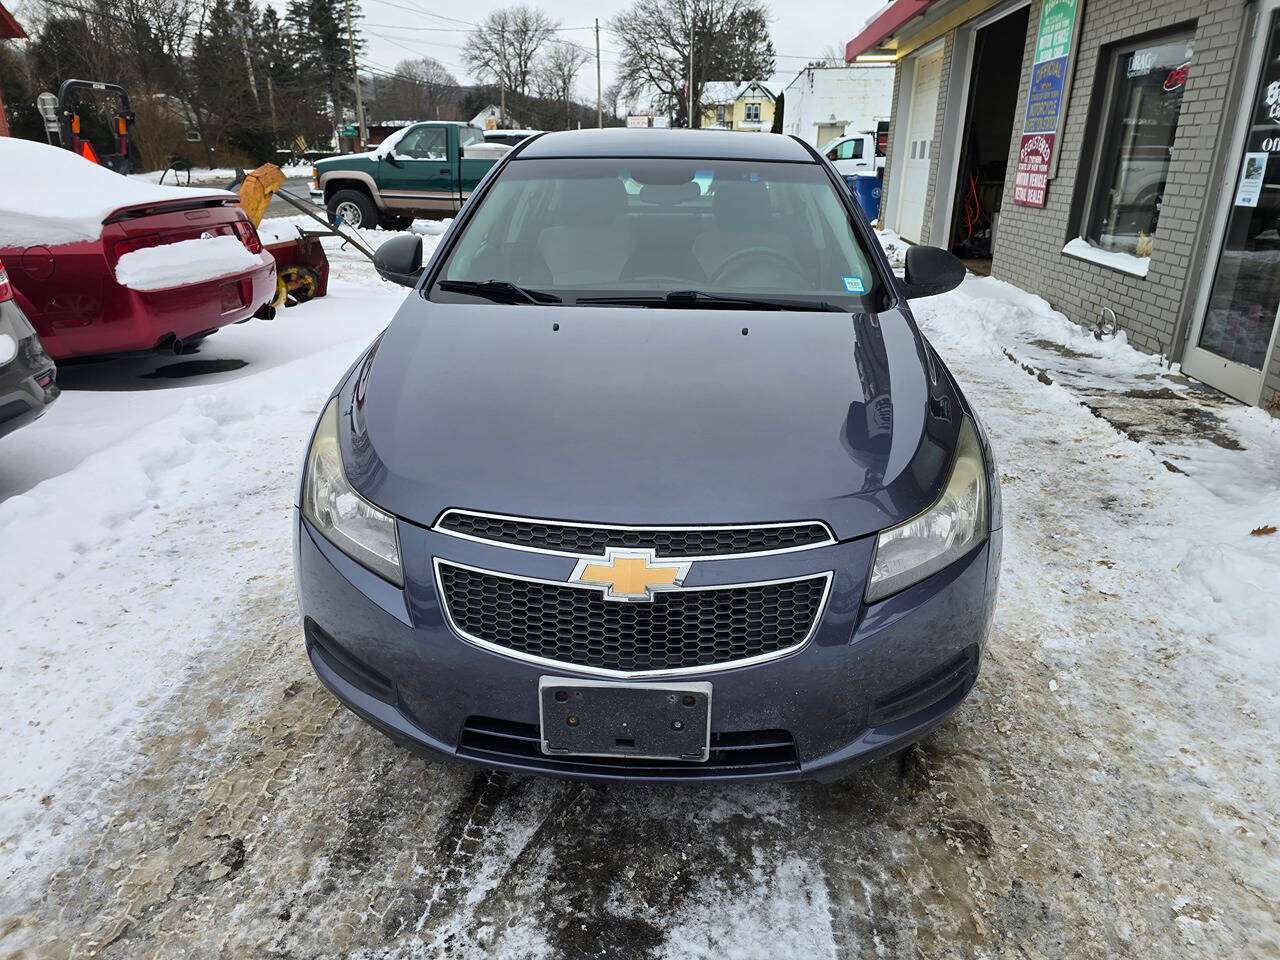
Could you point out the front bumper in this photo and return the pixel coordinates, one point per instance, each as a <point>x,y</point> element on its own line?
<point>870,681</point>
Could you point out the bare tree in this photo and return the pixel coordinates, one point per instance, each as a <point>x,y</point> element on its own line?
<point>558,71</point>
<point>612,97</point>
<point>416,90</point>
<point>832,56</point>
<point>730,42</point>
<point>503,48</point>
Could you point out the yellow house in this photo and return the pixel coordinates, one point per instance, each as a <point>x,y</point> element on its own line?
<point>737,106</point>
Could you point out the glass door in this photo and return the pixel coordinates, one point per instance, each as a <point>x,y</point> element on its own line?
<point>1237,326</point>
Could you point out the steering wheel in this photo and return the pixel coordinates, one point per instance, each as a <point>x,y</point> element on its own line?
<point>774,258</point>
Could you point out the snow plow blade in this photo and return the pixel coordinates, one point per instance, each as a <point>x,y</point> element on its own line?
<point>302,269</point>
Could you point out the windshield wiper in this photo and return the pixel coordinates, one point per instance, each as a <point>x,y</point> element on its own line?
<point>697,298</point>
<point>499,291</point>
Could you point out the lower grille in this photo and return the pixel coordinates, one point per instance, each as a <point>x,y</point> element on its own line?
<point>486,739</point>
<point>679,630</point>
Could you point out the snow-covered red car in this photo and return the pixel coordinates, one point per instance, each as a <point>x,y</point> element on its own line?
<point>105,264</point>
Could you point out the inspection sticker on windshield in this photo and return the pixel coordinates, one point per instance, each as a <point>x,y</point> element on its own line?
<point>854,285</point>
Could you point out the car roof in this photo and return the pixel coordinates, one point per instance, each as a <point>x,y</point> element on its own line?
<point>648,142</point>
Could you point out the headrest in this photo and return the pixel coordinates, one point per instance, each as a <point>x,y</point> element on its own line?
<point>741,205</point>
<point>595,202</point>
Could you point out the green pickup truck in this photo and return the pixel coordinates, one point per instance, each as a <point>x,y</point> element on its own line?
<point>423,170</point>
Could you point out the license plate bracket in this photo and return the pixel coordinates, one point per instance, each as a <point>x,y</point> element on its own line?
<point>650,721</point>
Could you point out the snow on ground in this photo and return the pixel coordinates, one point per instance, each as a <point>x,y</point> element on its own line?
<point>1225,576</point>
<point>175,781</point>
<point>186,261</point>
<point>279,229</point>
<point>104,467</point>
<point>64,198</point>
<point>216,175</point>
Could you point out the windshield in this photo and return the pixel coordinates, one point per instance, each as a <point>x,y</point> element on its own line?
<point>587,229</point>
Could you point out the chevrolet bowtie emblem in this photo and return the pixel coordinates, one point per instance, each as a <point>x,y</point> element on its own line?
<point>630,574</point>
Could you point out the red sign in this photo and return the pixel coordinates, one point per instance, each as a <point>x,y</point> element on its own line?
<point>1176,77</point>
<point>1033,169</point>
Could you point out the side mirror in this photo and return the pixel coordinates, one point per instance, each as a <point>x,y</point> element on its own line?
<point>392,159</point>
<point>930,271</point>
<point>400,259</point>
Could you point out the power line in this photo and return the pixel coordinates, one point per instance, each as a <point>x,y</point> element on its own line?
<point>424,11</point>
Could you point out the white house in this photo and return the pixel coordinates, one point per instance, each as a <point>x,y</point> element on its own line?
<point>823,100</point>
<point>490,118</point>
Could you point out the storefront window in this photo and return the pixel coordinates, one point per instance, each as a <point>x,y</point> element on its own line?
<point>1146,83</point>
<point>1245,297</point>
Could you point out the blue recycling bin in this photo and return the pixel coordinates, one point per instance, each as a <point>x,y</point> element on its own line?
<point>865,188</point>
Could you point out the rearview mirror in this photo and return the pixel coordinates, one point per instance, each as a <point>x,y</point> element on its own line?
<point>400,259</point>
<point>930,271</point>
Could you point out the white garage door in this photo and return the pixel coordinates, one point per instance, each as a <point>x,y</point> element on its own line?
<point>919,146</point>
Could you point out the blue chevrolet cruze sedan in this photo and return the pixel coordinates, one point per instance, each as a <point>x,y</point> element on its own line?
<point>652,477</point>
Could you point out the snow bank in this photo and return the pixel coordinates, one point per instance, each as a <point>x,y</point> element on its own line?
<point>147,538</point>
<point>895,248</point>
<point>280,229</point>
<point>63,198</point>
<point>221,175</point>
<point>187,261</point>
<point>1220,577</point>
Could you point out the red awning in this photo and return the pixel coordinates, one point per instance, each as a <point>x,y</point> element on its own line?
<point>884,25</point>
<point>9,27</point>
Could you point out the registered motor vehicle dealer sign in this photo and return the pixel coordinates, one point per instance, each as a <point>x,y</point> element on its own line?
<point>1033,169</point>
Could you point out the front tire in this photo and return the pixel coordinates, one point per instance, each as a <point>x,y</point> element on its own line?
<point>353,208</point>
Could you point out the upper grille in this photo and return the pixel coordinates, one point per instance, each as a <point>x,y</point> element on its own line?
<point>664,542</point>
<point>679,630</point>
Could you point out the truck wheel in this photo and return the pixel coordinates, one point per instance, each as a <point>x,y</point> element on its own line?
<point>353,208</point>
<point>395,223</point>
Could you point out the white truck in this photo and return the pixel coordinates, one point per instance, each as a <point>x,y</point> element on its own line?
<point>858,151</point>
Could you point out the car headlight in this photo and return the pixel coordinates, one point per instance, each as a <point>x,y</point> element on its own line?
<point>954,525</point>
<point>347,520</point>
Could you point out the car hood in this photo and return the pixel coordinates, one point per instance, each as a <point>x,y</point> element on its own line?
<point>650,416</point>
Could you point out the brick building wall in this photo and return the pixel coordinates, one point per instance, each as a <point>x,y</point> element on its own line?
<point>939,124</point>
<point>1151,309</point>
<point>894,114</point>
<point>1157,310</point>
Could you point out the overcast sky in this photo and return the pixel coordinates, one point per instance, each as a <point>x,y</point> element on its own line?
<point>395,29</point>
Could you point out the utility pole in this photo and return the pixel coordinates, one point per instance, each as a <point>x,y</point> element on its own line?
<point>502,81</point>
<point>690,108</point>
<point>599,100</point>
<point>355,73</point>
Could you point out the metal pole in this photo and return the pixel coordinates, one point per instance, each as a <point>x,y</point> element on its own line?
<point>355,73</point>
<point>599,101</point>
